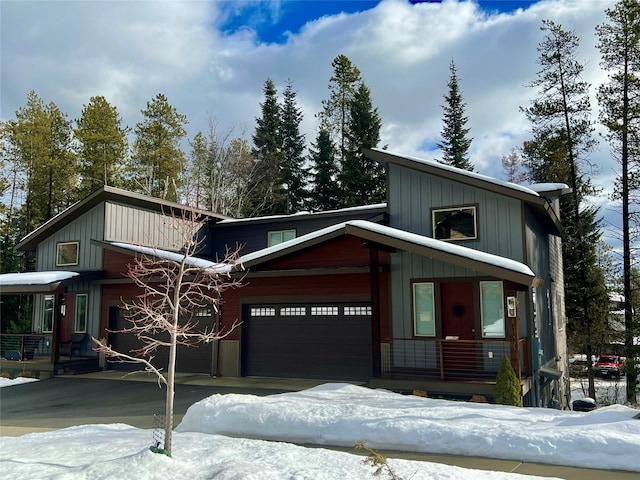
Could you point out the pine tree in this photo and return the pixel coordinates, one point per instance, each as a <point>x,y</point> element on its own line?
<point>455,135</point>
<point>158,162</point>
<point>267,195</point>
<point>39,143</point>
<point>362,180</point>
<point>335,116</point>
<point>325,192</point>
<point>293,145</point>
<point>508,391</point>
<point>619,98</point>
<point>197,164</point>
<point>103,146</point>
<point>562,137</point>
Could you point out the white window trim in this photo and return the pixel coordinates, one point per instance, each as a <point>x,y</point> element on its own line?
<point>415,312</point>
<point>504,323</point>
<point>62,244</point>
<point>53,312</point>
<point>281,232</point>
<point>86,313</point>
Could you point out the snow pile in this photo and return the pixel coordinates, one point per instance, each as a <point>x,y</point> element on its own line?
<point>341,414</point>
<point>8,382</point>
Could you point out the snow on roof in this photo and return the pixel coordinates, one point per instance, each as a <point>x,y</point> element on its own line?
<point>301,214</point>
<point>172,256</point>
<point>35,278</point>
<point>459,171</point>
<point>413,238</point>
<point>543,188</point>
<point>446,247</point>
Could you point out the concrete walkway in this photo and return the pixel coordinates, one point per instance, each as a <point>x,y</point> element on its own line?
<point>97,398</point>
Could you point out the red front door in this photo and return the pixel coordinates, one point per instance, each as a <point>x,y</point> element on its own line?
<point>458,326</point>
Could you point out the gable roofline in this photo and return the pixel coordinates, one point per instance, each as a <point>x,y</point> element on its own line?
<point>104,194</point>
<point>379,210</point>
<point>447,252</point>
<point>540,204</point>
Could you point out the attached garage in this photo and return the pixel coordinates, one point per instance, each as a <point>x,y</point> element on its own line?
<point>320,340</point>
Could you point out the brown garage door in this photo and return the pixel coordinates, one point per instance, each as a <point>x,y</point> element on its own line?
<point>328,341</point>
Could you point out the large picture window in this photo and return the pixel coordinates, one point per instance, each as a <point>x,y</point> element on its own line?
<point>492,309</point>
<point>67,254</point>
<point>47,313</point>
<point>424,309</point>
<point>281,236</point>
<point>454,223</point>
<point>80,325</point>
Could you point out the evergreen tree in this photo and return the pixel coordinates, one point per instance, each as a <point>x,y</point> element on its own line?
<point>508,391</point>
<point>198,162</point>
<point>362,180</point>
<point>267,194</point>
<point>562,137</point>
<point>293,145</point>
<point>158,163</point>
<point>39,143</point>
<point>455,135</point>
<point>325,192</point>
<point>619,98</point>
<point>103,146</point>
<point>335,116</point>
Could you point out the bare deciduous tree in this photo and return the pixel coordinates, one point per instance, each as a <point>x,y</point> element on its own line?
<point>174,286</point>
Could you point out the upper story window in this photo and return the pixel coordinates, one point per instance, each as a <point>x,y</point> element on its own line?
<point>458,223</point>
<point>279,236</point>
<point>67,253</point>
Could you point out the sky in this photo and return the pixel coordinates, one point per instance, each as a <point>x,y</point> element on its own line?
<point>236,436</point>
<point>211,60</point>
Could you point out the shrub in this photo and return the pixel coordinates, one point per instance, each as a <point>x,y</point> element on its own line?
<point>507,385</point>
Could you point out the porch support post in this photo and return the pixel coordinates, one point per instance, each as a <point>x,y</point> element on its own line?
<point>374,273</point>
<point>514,344</point>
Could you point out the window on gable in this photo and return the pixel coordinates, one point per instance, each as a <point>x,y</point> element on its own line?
<point>459,223</point>
<point>67,253</point>
<point>80,324</point>
<point>492,309</point>
<point>279,236</point>
<point>424,324</point>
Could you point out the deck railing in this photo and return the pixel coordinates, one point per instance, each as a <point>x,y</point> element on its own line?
<point>25,346</point>
<point>450,359</point>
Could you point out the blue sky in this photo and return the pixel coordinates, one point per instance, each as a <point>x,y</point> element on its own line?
<point>271,21</point>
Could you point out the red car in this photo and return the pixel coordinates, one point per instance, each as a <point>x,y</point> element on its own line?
<point>609,366</point>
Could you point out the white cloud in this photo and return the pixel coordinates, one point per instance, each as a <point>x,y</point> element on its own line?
<point>68,51</point>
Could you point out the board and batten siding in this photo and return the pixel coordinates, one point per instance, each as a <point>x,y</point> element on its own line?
<point>83,229</point>
<point>137,226</point>
<point>413,194</point>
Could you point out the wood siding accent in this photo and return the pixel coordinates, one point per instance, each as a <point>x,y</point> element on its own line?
<point>127,224</point>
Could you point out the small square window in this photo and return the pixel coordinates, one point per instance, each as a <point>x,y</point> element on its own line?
<point>457,223</point>
<point>67,254</point>
<point>281,236</point>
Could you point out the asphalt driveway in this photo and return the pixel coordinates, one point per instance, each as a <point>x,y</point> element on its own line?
<point>62,402</point>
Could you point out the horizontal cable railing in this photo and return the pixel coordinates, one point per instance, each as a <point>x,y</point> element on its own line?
<point>449,359</point>
<point>25,346</point>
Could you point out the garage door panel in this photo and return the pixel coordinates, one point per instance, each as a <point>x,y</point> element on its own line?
<point>327,344</point>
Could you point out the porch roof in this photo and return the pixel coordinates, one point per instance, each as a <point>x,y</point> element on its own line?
<point>42,282</point>
<point>447,252</point>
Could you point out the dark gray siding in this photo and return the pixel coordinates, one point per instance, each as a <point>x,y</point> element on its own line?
<point>252,234</point>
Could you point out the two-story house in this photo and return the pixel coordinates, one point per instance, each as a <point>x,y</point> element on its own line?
<point>429,291</point>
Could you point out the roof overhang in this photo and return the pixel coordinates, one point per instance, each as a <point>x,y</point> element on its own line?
<point>43,282</point>
<point>389,237</point>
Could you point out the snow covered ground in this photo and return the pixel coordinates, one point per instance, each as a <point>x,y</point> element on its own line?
<point>222,437</point>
